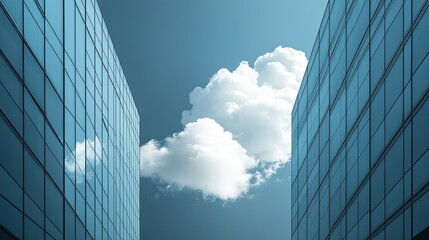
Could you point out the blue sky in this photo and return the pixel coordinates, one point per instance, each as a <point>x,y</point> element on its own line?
<point>169,47</point>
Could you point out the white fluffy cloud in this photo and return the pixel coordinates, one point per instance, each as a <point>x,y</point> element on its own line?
<point>203,156</point>
<point>238,131</point>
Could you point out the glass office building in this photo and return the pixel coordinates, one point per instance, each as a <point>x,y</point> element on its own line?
<point>360,159</point>
<point>69,128</point>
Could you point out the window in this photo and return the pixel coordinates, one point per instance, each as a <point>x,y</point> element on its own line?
<point>377,185</point>
<point>420,81</point>
<point>11,153</point>
<point>54,202</point>
<point>377,65</point>
<point>420,172</point>
<point>80,44</point>
<point>69,37</point>
<point>394,82</point>
<point>34,180</point>
<point>54,69</point>
<point>11,218</point>
<point>10,189</point>
<point>420,39</point>
<point>394,164</point>
<point>15,10</point>
<point>54,110</point>
<point>11,96</point>
<point>33,112</point>
<point>394,198</point>
<point>10,42</point>
<point>337,10</point>
<point>33,211</point>
<point>33,31</point>
<point>377,110</point>
<point>377,216</point>
<point>338,124</point>
<point>395,31</point>
<point>34,77</point>
<point>377,144</point>
<point>32,230</point>
<point>394,118</point>
<point>70,130</point>
<point>54,169</point>
<point>70,97</point>
<point>70,191</point>
<point>54,15</point>
<point>420,131</point>
<point>70,219</point>
<point>420,214</point>
<point>364,200</point>
<point>359,22</point>
<point>80,230</point>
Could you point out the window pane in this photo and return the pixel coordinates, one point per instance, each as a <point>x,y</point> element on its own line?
<point>420,40</point>
<point>80,44</point>
<point>54,110</point>
<point>11,218</point>
<point>54,68</point>
<point>394,83</point>
<point>54,15</point>
<point>33,31</point>
<point>54,202</point>
<point>34,77</point>
<point>33,138</point>
<point>377,185</point>
<point>32,230</point>
<point>377,110</point>
<point>394,164</point>
<point>421,214</point>
<point>33,211</point>
<point>420,172</point>
<point>11,153</point>
<point>69,223</point>
<point>33,112</point>
<point>10,189</point>
<point>14,8</point>
<point>34,181</point>
<point>54,168</point>
<point>10,42</point>
<point>421,131</point>
<point>11,96</point>
<point>420,81</point>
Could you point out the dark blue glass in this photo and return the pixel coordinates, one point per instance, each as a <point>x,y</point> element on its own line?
<point>10,42</point>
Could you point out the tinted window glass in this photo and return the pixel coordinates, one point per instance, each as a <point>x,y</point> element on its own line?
<point>54,202</point>
<point>420,40</point>
<point>421,131</point>
<point>32,230</point>
<point>11,218</point>
<point>34,77</point>
<point>15,10</point>
<point>10,42</point>
<point>34,180</point>
<point>421,214</point>
<point>394,164</point>
<point>54,110</point>
<point>11,153</point>
<point>33,32</point>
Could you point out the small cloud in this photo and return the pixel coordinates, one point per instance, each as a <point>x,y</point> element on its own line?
<point>237,133</point>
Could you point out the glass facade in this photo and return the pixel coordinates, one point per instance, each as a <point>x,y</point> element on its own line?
<point>360,159</point>
<point>69,128</point>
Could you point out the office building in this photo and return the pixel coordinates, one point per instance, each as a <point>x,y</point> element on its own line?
<point>69,128</point>
<point>360,159</point>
